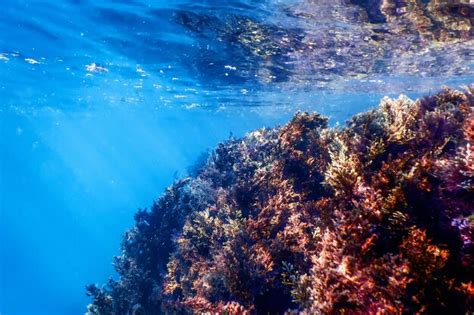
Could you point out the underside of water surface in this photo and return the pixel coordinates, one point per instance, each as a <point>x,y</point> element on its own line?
<point>236,157</point>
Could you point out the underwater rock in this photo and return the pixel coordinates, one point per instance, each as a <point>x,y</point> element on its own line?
<point>374,217</point>
<point>334,40</point>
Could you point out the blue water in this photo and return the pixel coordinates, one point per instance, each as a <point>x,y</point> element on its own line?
<point>104,103</point>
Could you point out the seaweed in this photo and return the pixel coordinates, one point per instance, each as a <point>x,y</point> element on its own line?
<point>374,217</point>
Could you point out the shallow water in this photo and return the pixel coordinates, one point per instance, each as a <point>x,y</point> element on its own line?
<point>105,103</point>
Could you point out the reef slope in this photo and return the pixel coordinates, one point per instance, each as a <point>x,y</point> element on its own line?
<point>374,217</point>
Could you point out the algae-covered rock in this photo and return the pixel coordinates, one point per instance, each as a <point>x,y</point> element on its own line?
<point>325,43</point>
<point>374,217</point>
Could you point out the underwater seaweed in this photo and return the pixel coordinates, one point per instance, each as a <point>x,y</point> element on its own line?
<point>375,217</point>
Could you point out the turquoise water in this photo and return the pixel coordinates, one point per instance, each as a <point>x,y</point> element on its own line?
<point>105,103</point>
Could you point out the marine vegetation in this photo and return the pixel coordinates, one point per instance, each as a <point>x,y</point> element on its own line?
<point>375,217</point>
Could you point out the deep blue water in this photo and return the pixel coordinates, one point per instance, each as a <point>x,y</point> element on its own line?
<point>104,103</point>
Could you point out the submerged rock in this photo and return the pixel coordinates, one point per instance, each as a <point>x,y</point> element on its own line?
<point>375,217</point>
<point>325,43</point>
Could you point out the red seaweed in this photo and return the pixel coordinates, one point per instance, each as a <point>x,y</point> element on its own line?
<point>372,218</point>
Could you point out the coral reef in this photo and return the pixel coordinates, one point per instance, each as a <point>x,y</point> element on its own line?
<point>372,218</point>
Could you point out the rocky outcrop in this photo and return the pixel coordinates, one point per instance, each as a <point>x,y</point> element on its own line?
<point>374,217</point>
